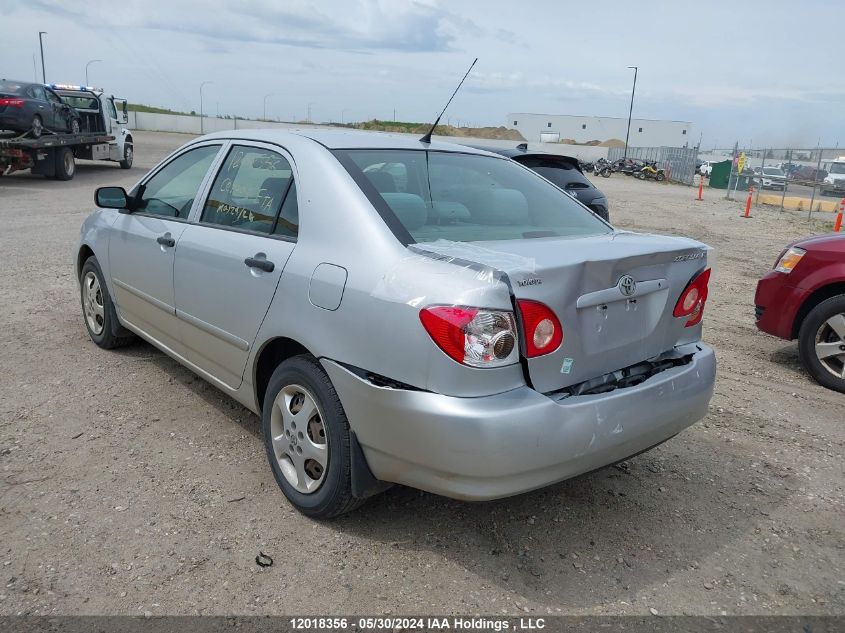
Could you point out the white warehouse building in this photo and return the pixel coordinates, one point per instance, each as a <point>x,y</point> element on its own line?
<point>553,128</point>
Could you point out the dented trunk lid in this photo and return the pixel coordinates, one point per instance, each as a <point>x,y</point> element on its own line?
<point>608,322</point>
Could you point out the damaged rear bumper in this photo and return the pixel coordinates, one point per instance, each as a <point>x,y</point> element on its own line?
<point>501,445</point>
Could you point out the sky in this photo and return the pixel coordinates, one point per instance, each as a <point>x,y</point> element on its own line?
<point>760,73</point>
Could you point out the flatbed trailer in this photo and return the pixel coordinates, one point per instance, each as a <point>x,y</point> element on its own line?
<point>104,136</point>
<point>54,156</point>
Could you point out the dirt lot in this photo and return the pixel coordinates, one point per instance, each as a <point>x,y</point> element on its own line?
<point>128,485</point>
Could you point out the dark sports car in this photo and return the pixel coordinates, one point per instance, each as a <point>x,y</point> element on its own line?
<point>563,171</point>
<point>34,108</point>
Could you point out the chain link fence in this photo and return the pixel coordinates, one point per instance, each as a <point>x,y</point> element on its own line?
<point>802,179</point>
<point>679,163</point>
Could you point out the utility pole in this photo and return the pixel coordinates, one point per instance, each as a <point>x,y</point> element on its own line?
<point>201,117</point>
<point>41,44</point>
<point>268,95</point>
<point>86,69</point>
<point>631,110</point>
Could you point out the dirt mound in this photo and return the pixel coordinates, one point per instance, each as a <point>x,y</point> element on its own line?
<point>612,142</point>
<point>500,133</point>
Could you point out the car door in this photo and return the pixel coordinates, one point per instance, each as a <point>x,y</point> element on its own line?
<point>41,106</point>
<point>59,111</point>
<point>229,262</point>
<point>142,243</point>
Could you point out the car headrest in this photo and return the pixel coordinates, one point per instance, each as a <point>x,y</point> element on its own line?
<point>409,208</point>
<point>274,188</point>
<point>382,181</point>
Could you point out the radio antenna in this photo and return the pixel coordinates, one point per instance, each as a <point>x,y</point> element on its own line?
<point>427,137</point>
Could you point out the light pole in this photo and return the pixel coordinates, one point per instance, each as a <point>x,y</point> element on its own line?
<point>265,104</point>
<point>631,110</point>
<point>41,44</point>
<point>201,85</point>
<point>86,69</point>
<point>308,115</point>
<point>342,113</point>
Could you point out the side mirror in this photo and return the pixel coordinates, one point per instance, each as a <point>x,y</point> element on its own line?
<point>111,198</point>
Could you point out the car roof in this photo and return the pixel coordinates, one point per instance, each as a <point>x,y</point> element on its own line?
<point>333,138</point>
<point>518,152</point>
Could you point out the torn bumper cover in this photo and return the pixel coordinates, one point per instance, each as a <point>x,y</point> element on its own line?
<point>505,444</point>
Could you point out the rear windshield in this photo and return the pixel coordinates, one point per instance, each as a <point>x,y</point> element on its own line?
<point>80,101</point>
<point>12,87</point>
<point>464,197</point>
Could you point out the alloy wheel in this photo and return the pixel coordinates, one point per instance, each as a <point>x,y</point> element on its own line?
<point>92,303</point>
<point>830,345</point>
<point>300,442</point>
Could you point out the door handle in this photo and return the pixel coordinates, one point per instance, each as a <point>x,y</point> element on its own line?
<point>263,264</point>
<point>166,241</point>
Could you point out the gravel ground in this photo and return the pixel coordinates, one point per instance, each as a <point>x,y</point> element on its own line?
<point>128,485</point>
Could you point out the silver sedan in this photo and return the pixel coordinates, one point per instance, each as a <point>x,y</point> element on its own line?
<point>399,311</point>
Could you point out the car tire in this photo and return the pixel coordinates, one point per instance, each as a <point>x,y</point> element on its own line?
<point>65,164</point>
<point>816,325</point>
<point>98,311</point>
<point>128,156</point>
<point>294,382</point>
<point>36,128</point>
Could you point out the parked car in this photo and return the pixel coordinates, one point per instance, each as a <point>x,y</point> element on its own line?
<point>706,167</point>
<point>770,178</point>
<point>34,108</point>
<point>399,311</point>
<point>563,171</point>
<point>803,297</point>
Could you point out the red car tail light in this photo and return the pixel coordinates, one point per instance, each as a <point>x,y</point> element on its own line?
<point>12,103</point>
<point>542,329</point>
<point>691,302</point>
<point>475,337</point>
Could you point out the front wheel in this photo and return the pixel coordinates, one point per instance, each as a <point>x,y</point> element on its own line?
<point>660,176</point>
<point>821,343</point>
<point>98,309</point>
<point>128,156</point>
<point>307,439</point>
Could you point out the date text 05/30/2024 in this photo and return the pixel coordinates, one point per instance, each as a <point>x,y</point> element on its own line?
<point>417,623</point>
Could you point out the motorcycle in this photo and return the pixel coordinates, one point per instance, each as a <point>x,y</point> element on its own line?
<point>587,167</point>
<point>602,168</point>
<point>650,171</point>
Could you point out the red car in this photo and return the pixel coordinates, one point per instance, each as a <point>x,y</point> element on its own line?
<point>803,297</point>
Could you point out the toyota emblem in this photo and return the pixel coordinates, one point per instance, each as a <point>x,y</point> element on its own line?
<point>627,285</point>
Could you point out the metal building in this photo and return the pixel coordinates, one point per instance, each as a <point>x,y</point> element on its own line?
<point>553,128</point>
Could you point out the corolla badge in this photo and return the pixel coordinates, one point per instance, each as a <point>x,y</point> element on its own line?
<point>627,285</point>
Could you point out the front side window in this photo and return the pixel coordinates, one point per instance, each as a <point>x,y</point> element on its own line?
<point>249,191</point>
<point>53,97</point>
<point>172,190</point>
<point>38,92</point>
<point>466,197</point>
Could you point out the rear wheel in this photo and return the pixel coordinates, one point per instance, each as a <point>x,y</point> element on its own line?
<point>307,439</point>
<point>36,128</point>
<point>821,343</point>
<point>65,165</point>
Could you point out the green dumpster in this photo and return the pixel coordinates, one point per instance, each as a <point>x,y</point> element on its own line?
<point>720,174</point>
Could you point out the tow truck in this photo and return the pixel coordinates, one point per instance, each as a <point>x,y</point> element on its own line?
<point>103,135</point>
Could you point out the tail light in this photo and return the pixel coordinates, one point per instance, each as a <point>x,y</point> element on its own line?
<point>12,103</point>
<point>472,336</point>
<point>691,302</point>
<point>542,329</point>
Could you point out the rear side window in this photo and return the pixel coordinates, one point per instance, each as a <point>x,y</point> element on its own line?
<point>464,197</point>
<point>12,87</point>
<point>249,191</point>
